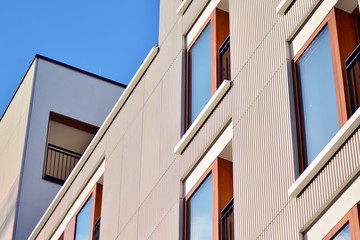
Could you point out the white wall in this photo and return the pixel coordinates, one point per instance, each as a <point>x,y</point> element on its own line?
<point>70,93</point>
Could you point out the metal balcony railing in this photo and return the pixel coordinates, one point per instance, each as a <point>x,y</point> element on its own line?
<point>227,221</point>
<point>353,79</point>
<point>224,61</point>
<point>59,163</point>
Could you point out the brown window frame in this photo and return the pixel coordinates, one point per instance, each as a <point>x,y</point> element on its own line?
<point>96,193</point>
<point>222,175</point>
<point>218,35</point>
<point>353,218</point>
<point>342,35</point>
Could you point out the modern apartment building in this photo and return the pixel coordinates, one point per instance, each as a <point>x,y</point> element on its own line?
<point>242,123</point>
<point>47,126</point>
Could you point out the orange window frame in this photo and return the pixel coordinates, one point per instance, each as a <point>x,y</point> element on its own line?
<point>351,217</point>
<point>219,21</point>
<point>96,193</point>
<point>222,193</point>
<point>342,36</point>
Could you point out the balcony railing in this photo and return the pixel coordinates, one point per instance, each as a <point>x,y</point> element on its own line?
<point>59,163</point>
<point>224,61</point>
<point>353,79</point>
<point>227,221</point>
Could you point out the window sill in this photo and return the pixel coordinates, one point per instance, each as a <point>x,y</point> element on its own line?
<point>183,6</point>
<point>283,6</point>
<point>325,155</point>
<point>204,114</point>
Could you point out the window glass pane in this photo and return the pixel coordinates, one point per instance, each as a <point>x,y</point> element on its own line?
<point>320,117</point>
<point>200,73</point>
<point>343,234</point>
<point>200,212</point>
<point>83,221</point>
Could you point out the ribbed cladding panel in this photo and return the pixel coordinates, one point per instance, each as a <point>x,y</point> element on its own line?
<point>206,135</point>
<point>191,14</point>
<point>263,158</point>
<point>259,60</point>
<point>323,189</point>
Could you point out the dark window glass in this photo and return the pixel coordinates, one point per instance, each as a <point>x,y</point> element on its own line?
<point>317,90</point>
<point>83,221</point>
<point>200,212</point>
<point>200,73</point>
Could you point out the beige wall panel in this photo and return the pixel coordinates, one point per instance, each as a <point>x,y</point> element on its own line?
<point>167,18</point>
<point>130,172</point>
<point>159,202</point>
<point>150,143</point>
<point>111,193</point>
<point>248,30</point>
<point>170,49</point>
<point>18,108</point>
<point>13,131</point>
<point>129,112</point>
<point>283,226</point>
<point>269,59</point>
<point>6,231</point>
<point>168,228</point>
<point>130,230</point>
<point>263,165</point>
<point>170,114</point>
<point>8,210</point>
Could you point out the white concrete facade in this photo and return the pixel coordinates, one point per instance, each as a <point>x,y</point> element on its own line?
<point>55,87</point>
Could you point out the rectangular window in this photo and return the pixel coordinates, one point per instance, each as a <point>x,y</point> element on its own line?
<point>348,227</point>
<point>199,60</point>
<point>320,84</point>
<point>83,221</point>
<point>203,72</point>
<point>208,214</point>
<point>199,211</point>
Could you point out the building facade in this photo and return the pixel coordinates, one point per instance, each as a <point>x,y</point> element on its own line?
<point>225,131</point>
<point>48,124</point>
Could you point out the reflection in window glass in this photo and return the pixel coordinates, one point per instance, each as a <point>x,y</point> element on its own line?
<point>200,212</point>
<point>343,234</point>
<point>83,221</point>
<point>200,73</point>
<point>320,118</point>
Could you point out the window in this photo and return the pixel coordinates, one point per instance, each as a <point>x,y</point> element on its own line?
<point>206,201</point>
<point>348,227</point>
<point>85,224</point>
<point>83,221</point>
<point>203,71</point>
<point>321,93</point>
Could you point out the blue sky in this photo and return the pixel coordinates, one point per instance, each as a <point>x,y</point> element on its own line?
<point>109,38</point>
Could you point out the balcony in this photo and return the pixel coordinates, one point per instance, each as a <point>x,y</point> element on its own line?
<point>66,141</point>
<point>59,163</point>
